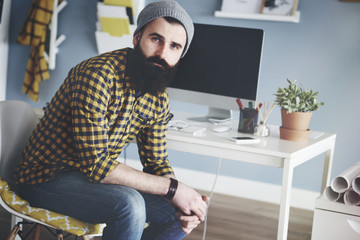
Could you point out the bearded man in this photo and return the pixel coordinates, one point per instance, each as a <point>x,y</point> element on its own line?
<point>70,165</point>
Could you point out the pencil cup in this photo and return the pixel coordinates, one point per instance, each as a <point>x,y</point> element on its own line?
<point>248,120</point>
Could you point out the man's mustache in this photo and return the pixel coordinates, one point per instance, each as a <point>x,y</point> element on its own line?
<point>156,59</point>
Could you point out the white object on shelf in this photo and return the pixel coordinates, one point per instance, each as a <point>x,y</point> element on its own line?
<point>112,11</point>
<point>334,221</point>
<point>343,181</point>
<point>259,16</point>
<point>241,6</point>
<point>106,43</point>
<point>334,226</point>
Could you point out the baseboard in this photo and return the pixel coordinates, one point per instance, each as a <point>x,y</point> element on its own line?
<point>249,189</point>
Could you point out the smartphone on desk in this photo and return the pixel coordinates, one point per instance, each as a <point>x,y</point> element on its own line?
<point>244,140</point>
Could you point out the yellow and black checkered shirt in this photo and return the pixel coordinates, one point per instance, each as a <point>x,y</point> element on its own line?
<point>93,115</point>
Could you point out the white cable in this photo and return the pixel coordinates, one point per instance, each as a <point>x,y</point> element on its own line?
<point>211,193</point>
<point>124,149</point>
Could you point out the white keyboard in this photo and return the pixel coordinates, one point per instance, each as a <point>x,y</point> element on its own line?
<point>181,126</point>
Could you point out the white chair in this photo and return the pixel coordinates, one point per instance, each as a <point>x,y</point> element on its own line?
<point>17,121</point>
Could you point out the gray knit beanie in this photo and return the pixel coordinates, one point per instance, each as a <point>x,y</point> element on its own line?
<point>172,9</point>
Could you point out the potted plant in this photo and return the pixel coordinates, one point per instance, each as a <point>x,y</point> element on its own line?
<point>297,105</point>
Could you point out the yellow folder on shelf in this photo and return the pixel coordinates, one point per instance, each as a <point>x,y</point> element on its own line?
<point>115,26</point>
<point>125,3</point>
<point>113,19</point>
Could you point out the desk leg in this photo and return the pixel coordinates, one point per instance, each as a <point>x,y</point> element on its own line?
<point>283,223</point>
<point>329,155</point>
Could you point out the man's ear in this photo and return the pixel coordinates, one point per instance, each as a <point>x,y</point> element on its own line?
<point>136,39</point>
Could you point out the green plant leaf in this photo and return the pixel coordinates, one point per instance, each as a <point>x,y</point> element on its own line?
<point>294,98</point>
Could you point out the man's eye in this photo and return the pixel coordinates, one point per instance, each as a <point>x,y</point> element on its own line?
<point>155,39</point>
<point>174,46</point>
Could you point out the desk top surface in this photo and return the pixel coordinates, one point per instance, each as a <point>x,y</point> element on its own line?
<point>271,145</point>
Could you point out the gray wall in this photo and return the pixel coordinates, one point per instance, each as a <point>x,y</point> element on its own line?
<point>322,52</point>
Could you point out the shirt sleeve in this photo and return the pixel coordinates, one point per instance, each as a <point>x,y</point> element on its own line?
<point>89,101</point>
<point>152,144</point>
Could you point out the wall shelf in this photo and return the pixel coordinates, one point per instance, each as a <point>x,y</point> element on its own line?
<point>257,16</point>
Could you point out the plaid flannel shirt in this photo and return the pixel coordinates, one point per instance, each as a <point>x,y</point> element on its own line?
<point>93,115</point>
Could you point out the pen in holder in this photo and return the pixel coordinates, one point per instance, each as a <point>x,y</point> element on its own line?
<point>248,120</point>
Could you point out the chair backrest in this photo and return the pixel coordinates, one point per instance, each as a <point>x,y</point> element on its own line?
<point>17,121</point>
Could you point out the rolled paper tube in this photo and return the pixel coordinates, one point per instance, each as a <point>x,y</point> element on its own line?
<point>356,184</point>
<point>351,197</point>
<point>343,181</point>
<point>331,195</point>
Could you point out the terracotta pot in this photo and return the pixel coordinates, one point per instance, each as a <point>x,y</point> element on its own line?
<point>296,120</point>
<point>294,135</point>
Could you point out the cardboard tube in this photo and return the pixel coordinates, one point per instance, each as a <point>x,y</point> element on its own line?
<point>343,181</point>
<point>331,195</point>
<point>351,197</point>
<point>356,184</point>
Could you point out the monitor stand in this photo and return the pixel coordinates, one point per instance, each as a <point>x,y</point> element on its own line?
<point>216,115</point>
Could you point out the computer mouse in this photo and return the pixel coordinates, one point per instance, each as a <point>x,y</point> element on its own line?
<point>221,129</point>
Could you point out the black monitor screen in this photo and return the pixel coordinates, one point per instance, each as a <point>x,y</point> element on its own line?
<point>222,60</point>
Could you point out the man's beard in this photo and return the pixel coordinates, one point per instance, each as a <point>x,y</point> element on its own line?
<point>147,77</point>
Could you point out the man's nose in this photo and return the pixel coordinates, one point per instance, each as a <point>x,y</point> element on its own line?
<point>161,52</point>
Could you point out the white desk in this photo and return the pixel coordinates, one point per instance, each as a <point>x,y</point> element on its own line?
<point>272,151</point>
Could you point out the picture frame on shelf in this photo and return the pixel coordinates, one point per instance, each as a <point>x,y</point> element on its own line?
<point>279,7</point>
<point>241,6</point>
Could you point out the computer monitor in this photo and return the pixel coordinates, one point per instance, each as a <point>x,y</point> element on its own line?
<point>221,65</point>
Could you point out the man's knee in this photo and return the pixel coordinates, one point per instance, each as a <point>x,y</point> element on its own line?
<point>130,205</point>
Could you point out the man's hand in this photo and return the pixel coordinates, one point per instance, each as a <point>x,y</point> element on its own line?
<point>190,202</point>
<point>189,223</point>
<point>186,199</point>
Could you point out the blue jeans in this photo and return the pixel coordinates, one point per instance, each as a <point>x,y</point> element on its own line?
<point>123,209</point>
